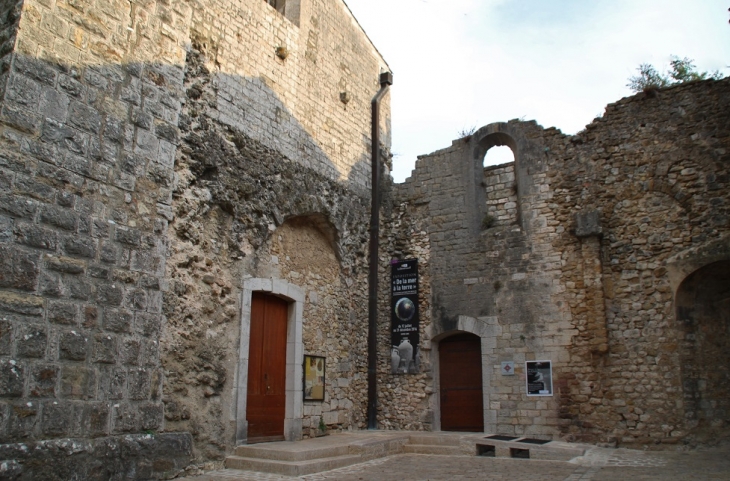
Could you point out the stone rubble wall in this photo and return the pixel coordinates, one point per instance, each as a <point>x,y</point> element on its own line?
<point>585,277</point>
<point>264,197</point>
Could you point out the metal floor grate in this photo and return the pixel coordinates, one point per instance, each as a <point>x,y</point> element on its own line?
<point>533,441</point>
<point>500,437</point>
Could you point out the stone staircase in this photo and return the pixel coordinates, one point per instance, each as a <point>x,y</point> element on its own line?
<point>310,456</point>
<point>438,445</point>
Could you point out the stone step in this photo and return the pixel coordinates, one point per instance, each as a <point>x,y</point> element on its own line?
<point>301,452</point>
<point>434,449</point>
<point>291,468</point>
<point>434,439</point>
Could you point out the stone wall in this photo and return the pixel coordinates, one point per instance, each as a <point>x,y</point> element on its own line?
<point>311,72</point>
<point>121,117</point>
<point>606,225</point>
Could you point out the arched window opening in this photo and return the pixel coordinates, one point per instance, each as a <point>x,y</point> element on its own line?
<point>498,155</point>
<point>500,187</point>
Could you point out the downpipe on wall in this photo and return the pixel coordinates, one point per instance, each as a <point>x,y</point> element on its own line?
<point>386,80</point>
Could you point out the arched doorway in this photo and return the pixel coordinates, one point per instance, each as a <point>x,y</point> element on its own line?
<point>460,374</point>
<point>703,313</point>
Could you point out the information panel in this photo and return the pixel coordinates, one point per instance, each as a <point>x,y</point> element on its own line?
<point>404,321</point>
<point>539,378</point>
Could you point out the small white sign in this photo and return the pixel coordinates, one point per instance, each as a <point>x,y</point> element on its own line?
<point>508,368</point>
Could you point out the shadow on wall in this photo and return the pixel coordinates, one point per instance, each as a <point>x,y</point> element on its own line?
<point>88,157</point>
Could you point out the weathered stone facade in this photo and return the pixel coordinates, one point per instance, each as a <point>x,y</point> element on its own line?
<point>159,160</point>
<point>575,253</point>
<point>162,162</point>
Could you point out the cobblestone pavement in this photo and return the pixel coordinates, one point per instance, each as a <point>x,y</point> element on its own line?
<point>599,464</point>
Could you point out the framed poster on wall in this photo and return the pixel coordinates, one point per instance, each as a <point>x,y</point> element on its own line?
<point>314,373</point>
<point>539,378</point>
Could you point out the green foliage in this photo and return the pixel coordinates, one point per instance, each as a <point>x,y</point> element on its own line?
<point>488,221</point>
<point>681,70</point>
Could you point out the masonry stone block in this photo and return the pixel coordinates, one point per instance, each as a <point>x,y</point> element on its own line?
<point>43,382</point>
<point>50,285</point>
<point>11,378</point>
<point>36,236</point>
<point>54,104</point>
<point>23,91</point>
<point>57,418</point>
<point>78,287</point>
<point>66,265</point>
<point>109,294</point>
<point>113,383</point>
<point>37,190</point>
<point>125,418</point>
<point>32,341</point>
<point>20,118</point>
<point>59,217</point>
<point>62,313</point>
<point>84,117</point>
<point>18,269</point>
<point>36,69</point>
<point>17,206</point>
<point>151,416</point>
<point>139,384</point>
<point>78,382</point>
<point>23,419</point>
<point>130,351</point>
<point>104,349</point>
<point>73,346</point>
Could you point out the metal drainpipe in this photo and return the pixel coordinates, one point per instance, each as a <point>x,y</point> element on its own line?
<point>386,79</point>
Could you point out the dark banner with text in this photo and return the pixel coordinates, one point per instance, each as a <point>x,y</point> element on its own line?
<point>404,321</point>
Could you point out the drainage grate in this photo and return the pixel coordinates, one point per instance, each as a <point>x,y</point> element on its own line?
<point>486,450</point>
<point>500,437</point>
<point>533,441</point>
<point>519,453</point>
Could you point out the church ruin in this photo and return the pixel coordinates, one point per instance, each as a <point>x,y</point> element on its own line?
<point>184,217</point>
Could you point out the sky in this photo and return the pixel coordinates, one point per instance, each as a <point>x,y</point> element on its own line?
<point>463,64</point>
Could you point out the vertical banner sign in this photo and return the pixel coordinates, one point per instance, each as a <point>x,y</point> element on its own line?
<point>404,321</point>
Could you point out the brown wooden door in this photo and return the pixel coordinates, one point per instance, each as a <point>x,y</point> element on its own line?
<point>266,399</point>
<point>460,374</point>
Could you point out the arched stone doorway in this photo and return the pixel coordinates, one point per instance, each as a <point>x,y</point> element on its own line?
<point>461,391</point>
<point>703,315</point>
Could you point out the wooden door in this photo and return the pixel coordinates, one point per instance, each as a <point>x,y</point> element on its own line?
<point>266,399</point>
<point>460,374</point>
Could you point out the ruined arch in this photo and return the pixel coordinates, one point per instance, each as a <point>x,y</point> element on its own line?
<point>702,305</point>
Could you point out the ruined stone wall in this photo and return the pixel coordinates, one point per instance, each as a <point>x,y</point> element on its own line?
<point>120,117</point>
<point>270,185</point>
<point>608,223</point>
<point>656,168</point>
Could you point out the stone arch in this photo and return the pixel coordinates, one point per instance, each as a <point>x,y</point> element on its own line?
<point>702,306</point>
<point>530,159</point>
<point>321,223</point>
<point>294,354</point>
<point>487,329</point>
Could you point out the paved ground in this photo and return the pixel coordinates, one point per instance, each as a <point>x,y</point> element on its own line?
<point>599,464</point>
